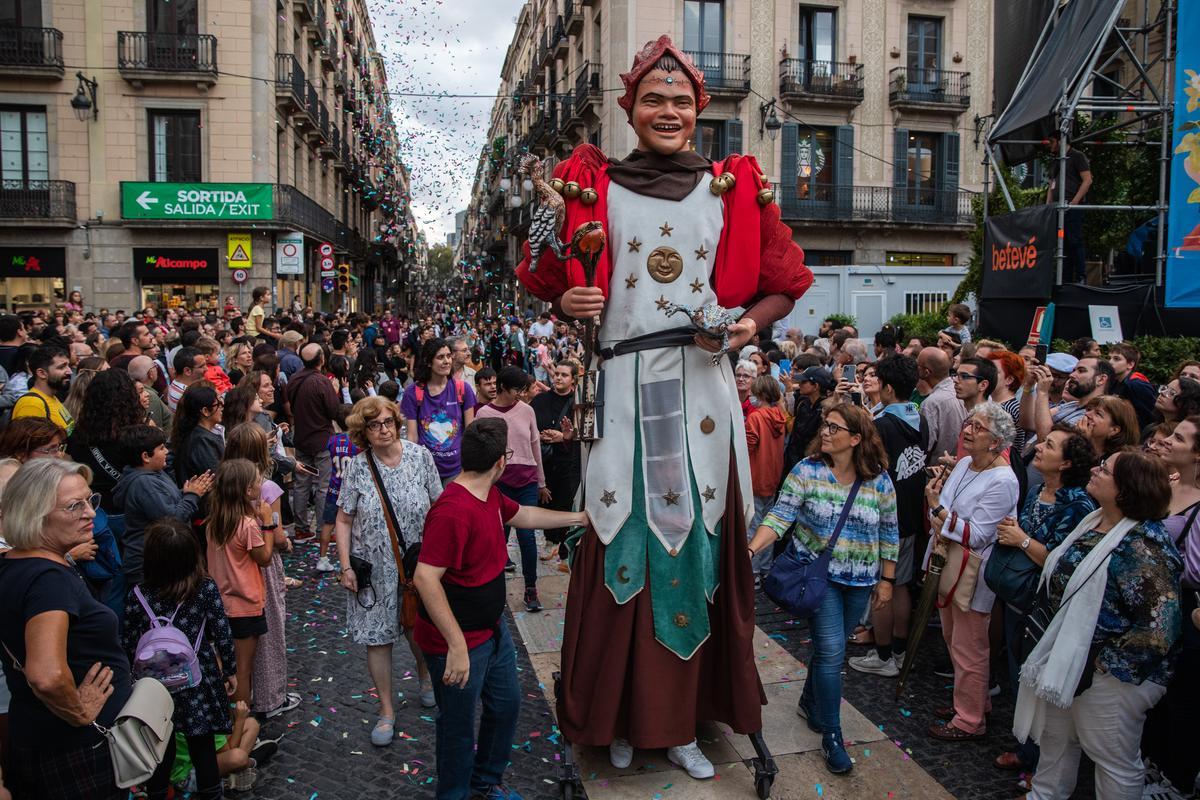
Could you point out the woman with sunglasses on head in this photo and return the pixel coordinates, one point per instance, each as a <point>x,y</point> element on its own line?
<point>196,441</point>
<point>410,479</point>
<point>1110,622</point>
<point>966,507</point>
<point>845,475</point>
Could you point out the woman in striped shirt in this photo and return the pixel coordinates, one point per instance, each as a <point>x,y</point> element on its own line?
<point>848,453</point>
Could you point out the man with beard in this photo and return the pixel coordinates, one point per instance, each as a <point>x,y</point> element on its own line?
<point>667,489</point>
<point>1092,377</point>
<point>50,368</point>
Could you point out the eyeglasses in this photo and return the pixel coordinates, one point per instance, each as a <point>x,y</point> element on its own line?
<point>965,376</point>
<point>975,426</point>
<point>82,508</point>
<point>1103,468</point>
<point>50,449</point>
<point>832,428</point>
<point>508,454</point>
<point>1167,391</point>
<point>376,425</point>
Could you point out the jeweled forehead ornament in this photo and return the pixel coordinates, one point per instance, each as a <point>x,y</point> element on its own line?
<point>645,62</point>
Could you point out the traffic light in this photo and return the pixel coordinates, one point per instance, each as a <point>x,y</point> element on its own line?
<point>343,277</point>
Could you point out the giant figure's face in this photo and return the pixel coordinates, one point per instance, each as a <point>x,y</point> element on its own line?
<point>664,112</point>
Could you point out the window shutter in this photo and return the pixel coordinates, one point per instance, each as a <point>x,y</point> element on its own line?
<point>733,136</point>
<point>787,170</point>
<point>900,158</point>
<point>843,172</point>
<point>949,174</point>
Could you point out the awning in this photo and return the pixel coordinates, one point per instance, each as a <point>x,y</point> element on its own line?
<point>1058,66</point>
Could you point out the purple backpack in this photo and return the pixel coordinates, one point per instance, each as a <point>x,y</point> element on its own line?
<point>164,652</point>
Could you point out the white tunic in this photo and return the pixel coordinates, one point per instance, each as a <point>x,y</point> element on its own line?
<point>686,408</point>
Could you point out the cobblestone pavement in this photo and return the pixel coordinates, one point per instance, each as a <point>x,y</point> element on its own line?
<point>326,753</point>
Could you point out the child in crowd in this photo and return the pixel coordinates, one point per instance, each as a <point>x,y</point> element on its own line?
<point>237,552</point>
<point>177,588</point>
<point>238,755</point>
<point>145,493</point>
<point>211,350</point>
<point>269,689</point>
<point>341,452</point>
<point>957,317</point>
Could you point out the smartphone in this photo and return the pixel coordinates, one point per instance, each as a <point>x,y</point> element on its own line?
<point>856,398</point>
<point>1039,352</point>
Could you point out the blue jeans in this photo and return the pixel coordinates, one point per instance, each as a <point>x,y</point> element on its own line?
<point>841,609</point>
<point>526,495</point>
<point>1014,626</point>
<point>492,679</point>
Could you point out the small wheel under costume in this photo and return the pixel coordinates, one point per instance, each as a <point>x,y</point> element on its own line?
<point>762,786</point>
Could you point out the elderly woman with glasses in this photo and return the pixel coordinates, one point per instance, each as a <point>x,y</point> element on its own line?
<point>966,507</point>
<point>410,479</point>
<point>60,647</point>
<point>845,474</point>
<point>744,375</point>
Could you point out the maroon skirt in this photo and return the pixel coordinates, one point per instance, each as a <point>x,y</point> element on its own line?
<point>618,681</point>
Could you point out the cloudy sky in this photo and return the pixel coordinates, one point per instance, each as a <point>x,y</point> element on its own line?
<point>448,49</point>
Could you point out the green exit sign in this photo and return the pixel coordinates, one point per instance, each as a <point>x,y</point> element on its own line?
<point>197,201</point>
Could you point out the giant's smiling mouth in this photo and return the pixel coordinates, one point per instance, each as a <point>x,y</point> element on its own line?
<point>667,127</point>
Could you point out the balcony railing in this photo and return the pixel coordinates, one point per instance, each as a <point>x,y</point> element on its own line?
<point>724,73</point>
<point>39,200</point>
<point>31,51</point>
<point>817,202</point>
<point>187,55</point>
<point>518,219</point>
<point>928,88</point>
<point>289,81</point>
<point>298,210</point>
<point>821,81</point>
<point>559,41</point>
<point>307,9</point>
<point>572,16</point>
<point>587,87</point>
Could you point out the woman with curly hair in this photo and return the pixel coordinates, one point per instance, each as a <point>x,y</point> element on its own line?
<point>110,405</point>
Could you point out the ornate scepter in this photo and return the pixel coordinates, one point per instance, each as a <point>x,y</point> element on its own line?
<point>587,244</point>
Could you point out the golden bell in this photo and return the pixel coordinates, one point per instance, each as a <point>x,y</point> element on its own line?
<point>765,197</point>
<point>557,185</point>
<point>570,190</point>
<point>717,186</point>
<point>589,196</point>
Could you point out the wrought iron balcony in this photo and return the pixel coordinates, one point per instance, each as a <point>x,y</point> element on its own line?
<point>143,56</point>
<point>560,43</point>
<point>826,82</point>
<point>43,201</point>
<point>874,204</point>
<point>587,88</point>
<point>289,82</point>
<point>930,89</point>
<point>572,17</point>
<point>518,219</point>
<point>297,210</point>
<point>31,52</point>
<point>725,74</point>
<point>306,9</point>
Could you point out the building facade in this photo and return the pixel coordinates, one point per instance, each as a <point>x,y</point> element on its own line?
<point>864,113</point>
<point>154,151</point>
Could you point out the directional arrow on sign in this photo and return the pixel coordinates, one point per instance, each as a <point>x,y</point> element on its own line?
<point>145,200</point>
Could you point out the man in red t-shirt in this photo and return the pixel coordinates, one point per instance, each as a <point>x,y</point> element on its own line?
<point>461,628</point>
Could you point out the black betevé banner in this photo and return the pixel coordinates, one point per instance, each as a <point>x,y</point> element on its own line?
<point>33,262</point>
<point>177,264</point>
<point>1018,254</point>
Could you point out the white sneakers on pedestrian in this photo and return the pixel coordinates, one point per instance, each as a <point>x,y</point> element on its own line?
<point>872,664</point>
<point>691,760</point>
<point>620,753</point>
<point>325,565</point>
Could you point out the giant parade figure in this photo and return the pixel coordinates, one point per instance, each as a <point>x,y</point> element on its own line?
<point>660,610</point>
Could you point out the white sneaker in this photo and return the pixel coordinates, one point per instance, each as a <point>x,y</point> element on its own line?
<point>899,659</point>
<point>325,565</point>
<point>872,664</point>
<point>620,753</point>
<point>691,760</point>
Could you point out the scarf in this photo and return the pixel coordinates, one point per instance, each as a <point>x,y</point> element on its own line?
<point>655,175</point>
<point>1053,670</point>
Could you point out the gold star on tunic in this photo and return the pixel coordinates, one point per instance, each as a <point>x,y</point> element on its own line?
<point>672,497</point>
<point>702,253</point>
<point>697,286</point>
<point>608,497</point>
<point>666,229</point>
<point>631,282</point>
<point>634,245</point>
<point>662,302</point>
<point>709,493</point>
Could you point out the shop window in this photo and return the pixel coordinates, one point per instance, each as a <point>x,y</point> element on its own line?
<point>899,259</point>
<point>828,258</point>
<point>24,146</point>
<point>175,146</point>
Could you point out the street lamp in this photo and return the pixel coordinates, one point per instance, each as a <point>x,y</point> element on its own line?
<point>768,120</point>
<point>85,101</point>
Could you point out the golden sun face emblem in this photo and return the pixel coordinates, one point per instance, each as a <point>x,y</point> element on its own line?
<point>665,264</point>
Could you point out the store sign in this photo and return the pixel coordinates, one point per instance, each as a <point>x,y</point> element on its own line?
<point>176,264</point>
<point>289,253</point>
<point>33,262</point>
<point>203,201</point>
<point>239,250</point>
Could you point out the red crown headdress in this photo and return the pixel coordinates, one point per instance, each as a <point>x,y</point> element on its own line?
<point>644,62</point>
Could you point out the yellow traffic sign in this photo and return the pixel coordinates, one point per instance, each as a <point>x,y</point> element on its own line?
<point>239,251</point>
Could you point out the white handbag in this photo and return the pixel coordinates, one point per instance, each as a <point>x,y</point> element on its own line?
<point>138,738</point>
